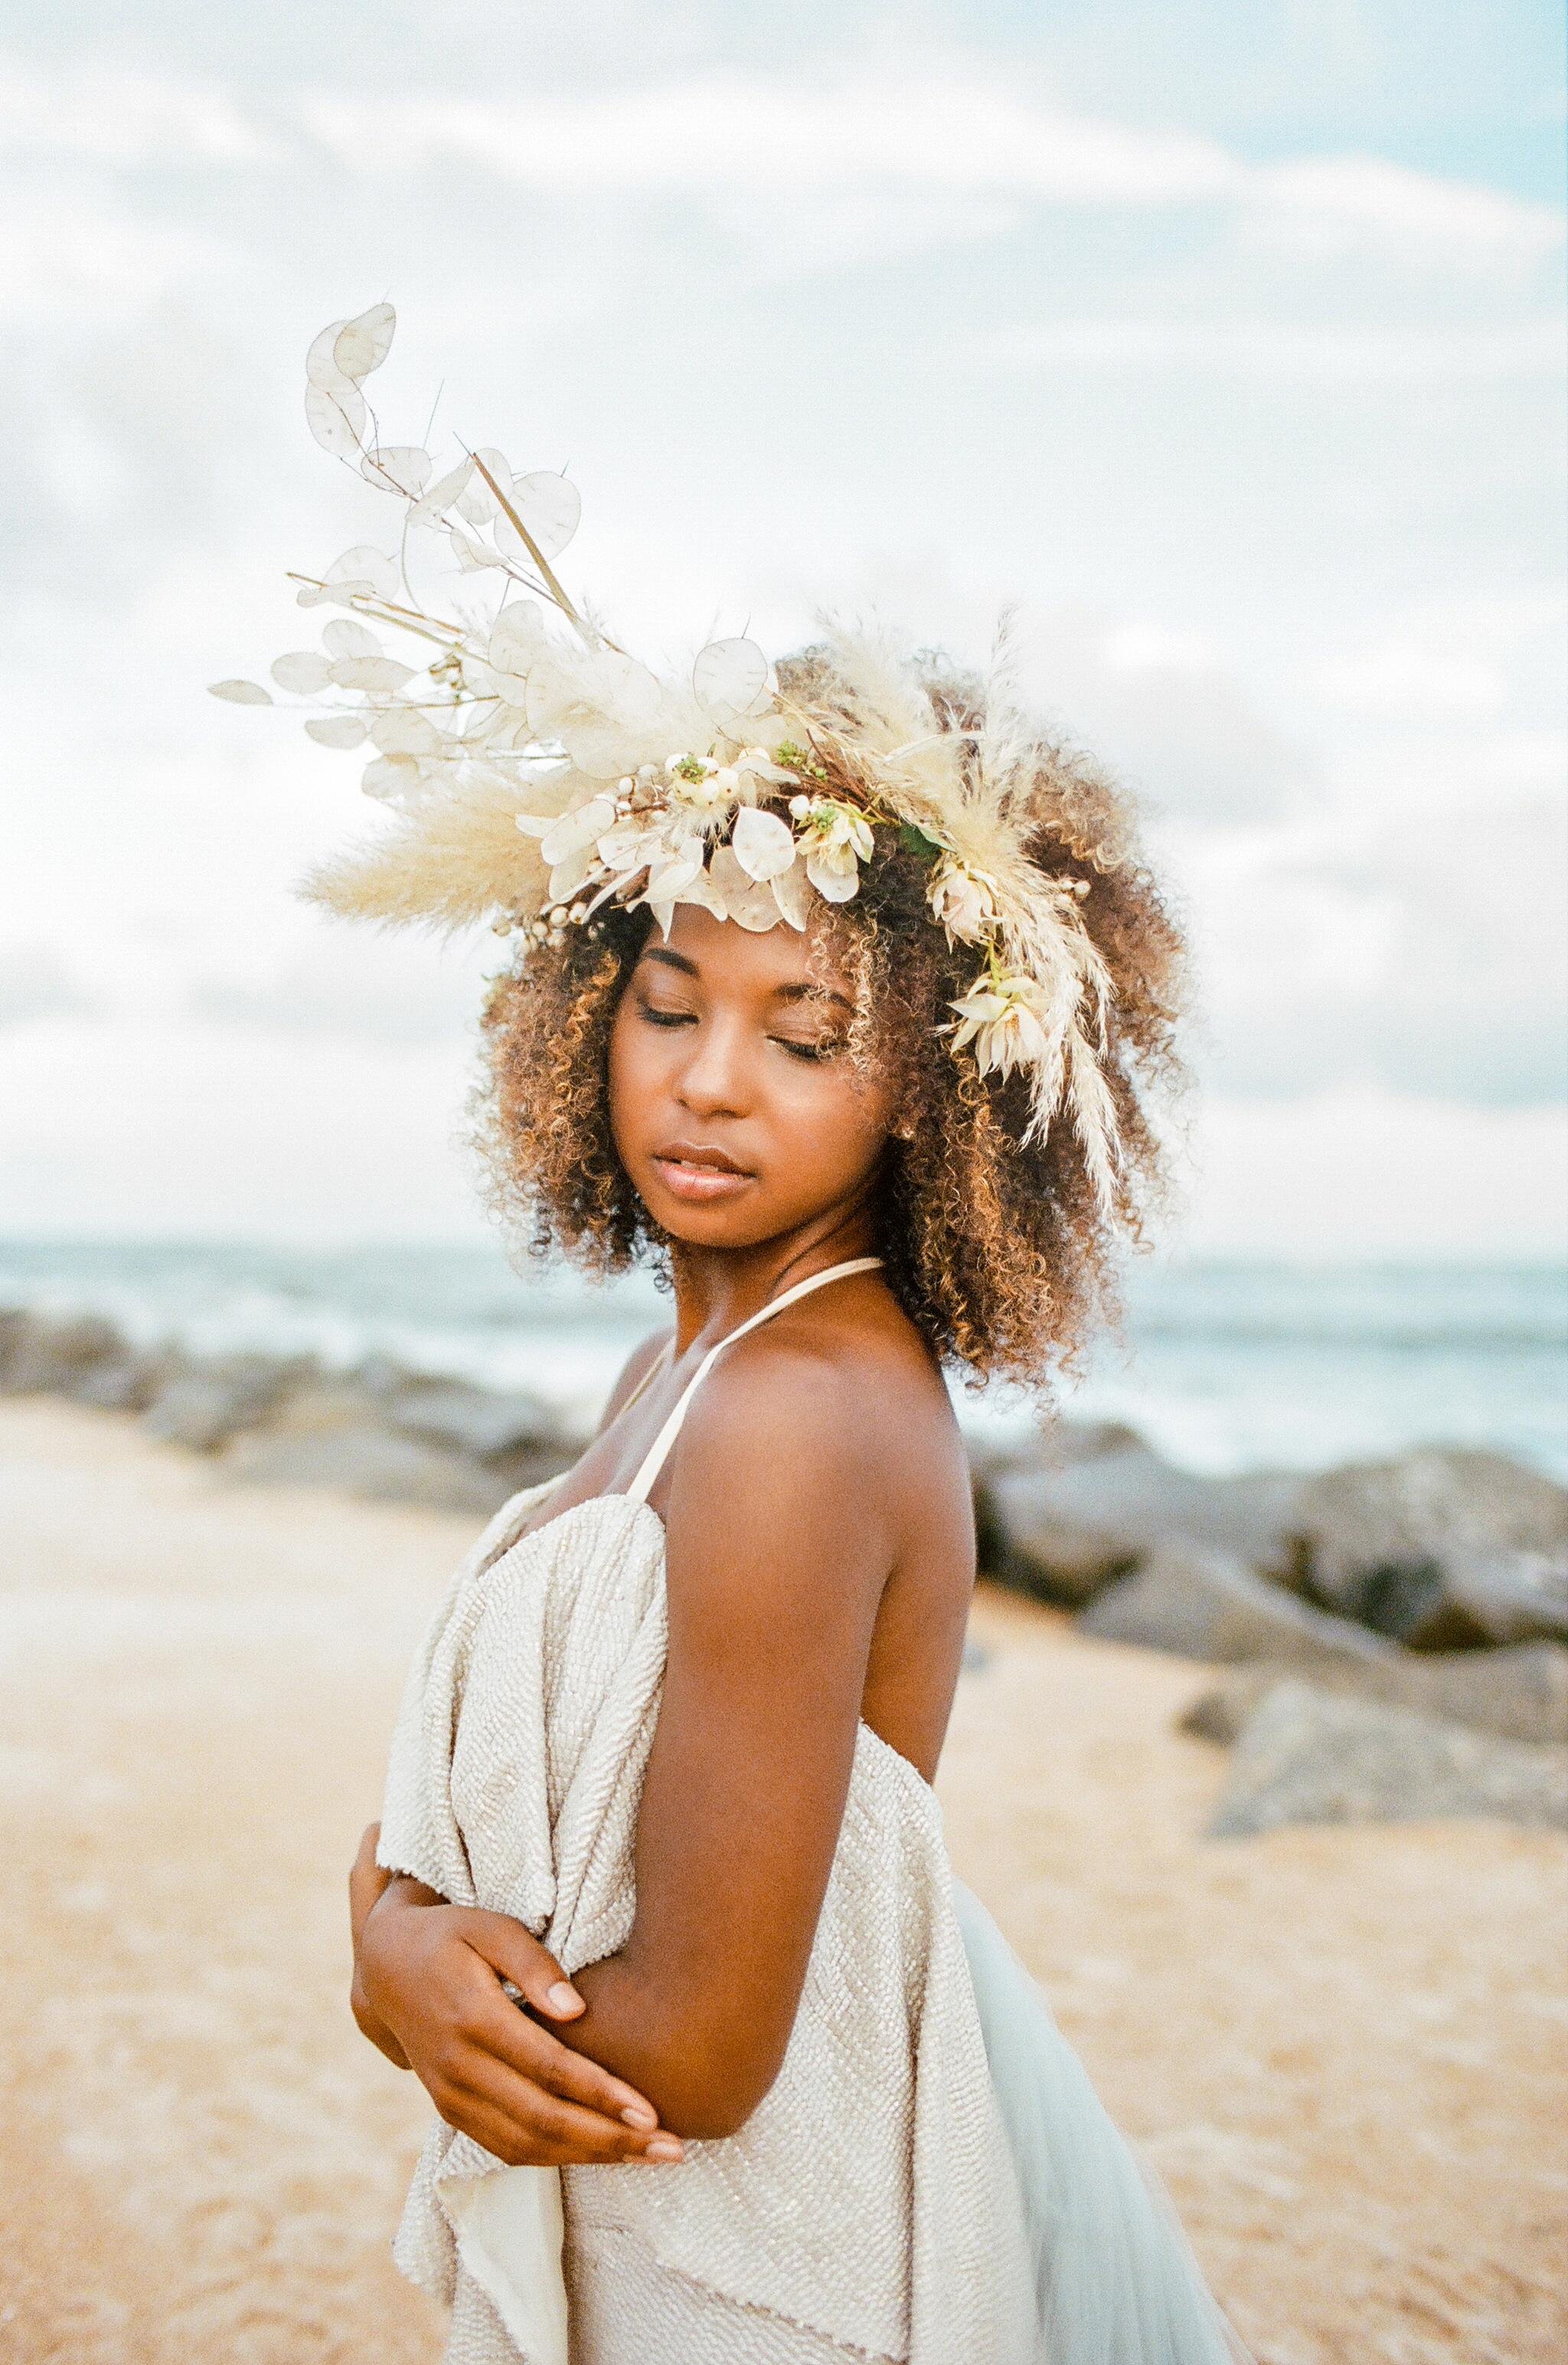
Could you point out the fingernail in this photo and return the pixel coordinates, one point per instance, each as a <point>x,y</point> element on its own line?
<point>562,1997</point>
<point>640,2114</point>
<point>665,2147</point>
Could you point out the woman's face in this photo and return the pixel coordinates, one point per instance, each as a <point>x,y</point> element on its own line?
<point>733,1111</point>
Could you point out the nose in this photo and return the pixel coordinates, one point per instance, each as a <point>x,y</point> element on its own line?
<point>715,1078</point>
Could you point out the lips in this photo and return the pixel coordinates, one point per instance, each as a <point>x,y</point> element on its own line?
<point>699,1172</point>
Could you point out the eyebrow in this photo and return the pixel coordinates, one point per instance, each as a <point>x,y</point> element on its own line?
<point>804,991</point>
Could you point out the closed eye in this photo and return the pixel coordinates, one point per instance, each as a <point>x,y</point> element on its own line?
<point>813,1051</point>
<point>658,1017</point>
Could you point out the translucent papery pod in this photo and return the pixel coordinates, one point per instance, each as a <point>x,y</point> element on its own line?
<point>729,681</point>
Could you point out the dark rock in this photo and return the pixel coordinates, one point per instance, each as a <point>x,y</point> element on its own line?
<point>471,1421</point>
<point>60,1358</point>
<point>203,1406</point>
<point>1445,1549</point>
<point>1201,1606</point>
<point>1062,1530</point>
<point>13,1322</point>
<point>366,1460</point>
<point>1519,1694</point>
<point>1500,1596</point>
<point>127,1383</point>
<point>1307,1755</point>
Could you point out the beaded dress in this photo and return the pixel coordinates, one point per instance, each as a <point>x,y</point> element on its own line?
<point>930,2180</point>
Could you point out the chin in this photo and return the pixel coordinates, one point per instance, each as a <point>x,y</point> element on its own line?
<point>708,1228</point>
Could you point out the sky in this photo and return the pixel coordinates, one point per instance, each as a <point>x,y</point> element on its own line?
<point>1225,341</point>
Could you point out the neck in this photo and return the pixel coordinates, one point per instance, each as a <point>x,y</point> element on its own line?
<point>717,1288</point>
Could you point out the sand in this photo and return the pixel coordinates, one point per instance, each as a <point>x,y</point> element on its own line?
<point>1344,2049</point>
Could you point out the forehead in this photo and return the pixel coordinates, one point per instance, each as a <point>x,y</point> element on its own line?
<point>728,957</point>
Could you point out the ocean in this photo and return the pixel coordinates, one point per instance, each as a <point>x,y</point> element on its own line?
<point>1223,1366</point>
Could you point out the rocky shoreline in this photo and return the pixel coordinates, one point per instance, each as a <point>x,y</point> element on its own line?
<point>1394,1634</point>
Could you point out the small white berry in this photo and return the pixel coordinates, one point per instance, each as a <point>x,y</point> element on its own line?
<point>579,914</point>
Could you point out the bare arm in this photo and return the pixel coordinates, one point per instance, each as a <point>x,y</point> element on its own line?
<point>432,1972</point>
<point>780,1543</point>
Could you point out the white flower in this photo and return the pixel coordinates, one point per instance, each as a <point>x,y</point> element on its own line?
<point>836,840</point>
<point>764,846</point>
<point>834,872</point>
<point>964,900</point>
<point>1000,1018</point>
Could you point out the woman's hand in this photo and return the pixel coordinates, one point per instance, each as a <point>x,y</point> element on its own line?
<point>427,1990</point>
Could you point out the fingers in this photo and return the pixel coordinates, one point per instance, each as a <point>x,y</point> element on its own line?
<point>431,1979</point>
<point>524,2126</point>
<point>521,2045</point>
<point>532,1970</point>
<point>379,2035</point>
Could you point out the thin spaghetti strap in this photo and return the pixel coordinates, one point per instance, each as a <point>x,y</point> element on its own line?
<point>659,1453</point>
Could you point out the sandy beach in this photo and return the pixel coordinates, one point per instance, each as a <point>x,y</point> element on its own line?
<point>1345,2048</point>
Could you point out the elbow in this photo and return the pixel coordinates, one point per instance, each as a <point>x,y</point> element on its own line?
<point>705,2097</point>
<point>708,2117</point>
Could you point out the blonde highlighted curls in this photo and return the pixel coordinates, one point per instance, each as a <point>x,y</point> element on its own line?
<point>998,1248</point>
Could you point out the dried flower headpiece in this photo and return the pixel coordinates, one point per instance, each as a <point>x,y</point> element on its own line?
<point>531,779</point>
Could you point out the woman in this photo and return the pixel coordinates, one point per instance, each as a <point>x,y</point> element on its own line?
<point>847,1020</point>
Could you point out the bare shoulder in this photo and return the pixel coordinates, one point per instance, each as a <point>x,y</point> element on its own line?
<point>835,1408</point>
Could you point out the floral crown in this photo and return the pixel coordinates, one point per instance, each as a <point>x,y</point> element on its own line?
<point>530,779</point>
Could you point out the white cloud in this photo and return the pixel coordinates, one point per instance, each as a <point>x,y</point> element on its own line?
<point>68,255</point>
<point>335,982</point>
<point>122,119</point>
<point>712,136</point>
<point>217,1134</point>
<point>1359,1172</point>
<point>35,983</point>
<point>1454,660</point>
<point>724,138</point>
<point>1417,950</point>
<point>1332,352</point>
<point>1368,193</point>
<point>1159,707</point>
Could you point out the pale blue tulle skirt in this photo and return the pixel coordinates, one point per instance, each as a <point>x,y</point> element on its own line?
<point>1114,2275</point>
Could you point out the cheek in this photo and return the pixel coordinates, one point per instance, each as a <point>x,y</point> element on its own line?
<point>842,1131</point>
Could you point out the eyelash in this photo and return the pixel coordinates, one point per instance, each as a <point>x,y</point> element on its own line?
<point>813,1053</point>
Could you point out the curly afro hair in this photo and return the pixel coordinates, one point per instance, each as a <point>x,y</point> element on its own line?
<point>996,1246</point>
